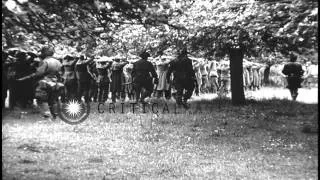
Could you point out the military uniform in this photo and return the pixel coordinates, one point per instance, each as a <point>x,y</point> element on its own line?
<point>69,77</point>
<point>294,72</point>
<point>184,78</point>
<point>48,87</point>
<point>83,79</point>
<point>142,79</point>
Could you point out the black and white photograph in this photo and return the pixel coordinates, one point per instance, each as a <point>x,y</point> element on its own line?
<point>159,89</point>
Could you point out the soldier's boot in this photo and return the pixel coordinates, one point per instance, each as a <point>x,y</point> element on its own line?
<point>53,112</point>
<point>114,97</point>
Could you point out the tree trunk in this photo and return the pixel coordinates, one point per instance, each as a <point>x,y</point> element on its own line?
<point>266,75</point>
<point>236,71</point>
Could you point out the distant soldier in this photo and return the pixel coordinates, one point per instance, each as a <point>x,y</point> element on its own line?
<point>117,79</point>
<point>69,77</point>
<point>103,80</point>
<point>83,78</point>
<point>48,87</point>
<point>294,73</point>
<point>184,77</point>
<point>142,74</point>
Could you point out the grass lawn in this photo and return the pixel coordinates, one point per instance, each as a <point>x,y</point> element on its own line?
<point>266,139</point>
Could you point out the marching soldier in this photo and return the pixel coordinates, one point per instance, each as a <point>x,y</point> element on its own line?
<point>184,77</point>
<point>48,87</point>
<point>142,78</point>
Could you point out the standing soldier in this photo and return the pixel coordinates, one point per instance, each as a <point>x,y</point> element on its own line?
<point>69,77</point>
<point>142,78</point>
<point>83,78</point>
<point>48,87</point>
<point>294,72</point>
<point>184,77</point>
<point>103,81</point>
<point>117,79</point>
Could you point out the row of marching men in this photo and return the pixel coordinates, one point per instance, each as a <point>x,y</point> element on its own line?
<point>215,74</point>
<point>95,78</point>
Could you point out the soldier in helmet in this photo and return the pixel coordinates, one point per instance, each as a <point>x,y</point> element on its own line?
<point>184,77</point>
<point>142,74</point>
<point>48,86</point>
<point>294,72</point>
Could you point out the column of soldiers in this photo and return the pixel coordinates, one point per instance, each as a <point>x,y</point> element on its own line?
<point>95,78</point>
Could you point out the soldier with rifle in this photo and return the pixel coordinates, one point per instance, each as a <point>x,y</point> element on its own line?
<point>184,79</point>
<point>48,87</point>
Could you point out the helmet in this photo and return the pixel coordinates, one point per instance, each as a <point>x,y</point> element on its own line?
<point>144,54</point>
<point>47,51</point>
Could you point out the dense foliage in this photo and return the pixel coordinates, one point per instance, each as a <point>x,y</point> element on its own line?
<point>209,28</point>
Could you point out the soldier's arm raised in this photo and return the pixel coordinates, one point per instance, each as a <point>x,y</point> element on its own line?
<point>153,71</point>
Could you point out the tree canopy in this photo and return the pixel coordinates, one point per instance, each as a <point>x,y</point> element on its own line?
<point>207,27</point>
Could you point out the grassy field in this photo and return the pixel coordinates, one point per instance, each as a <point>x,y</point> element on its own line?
<point>265,139</point>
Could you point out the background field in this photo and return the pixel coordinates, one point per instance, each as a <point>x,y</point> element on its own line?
<point>266,139</point>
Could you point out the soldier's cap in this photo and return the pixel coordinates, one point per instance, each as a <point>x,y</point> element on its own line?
<point>47,50</point>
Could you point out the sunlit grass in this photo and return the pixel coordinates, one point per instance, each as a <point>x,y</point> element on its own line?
<point>213,140</point>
